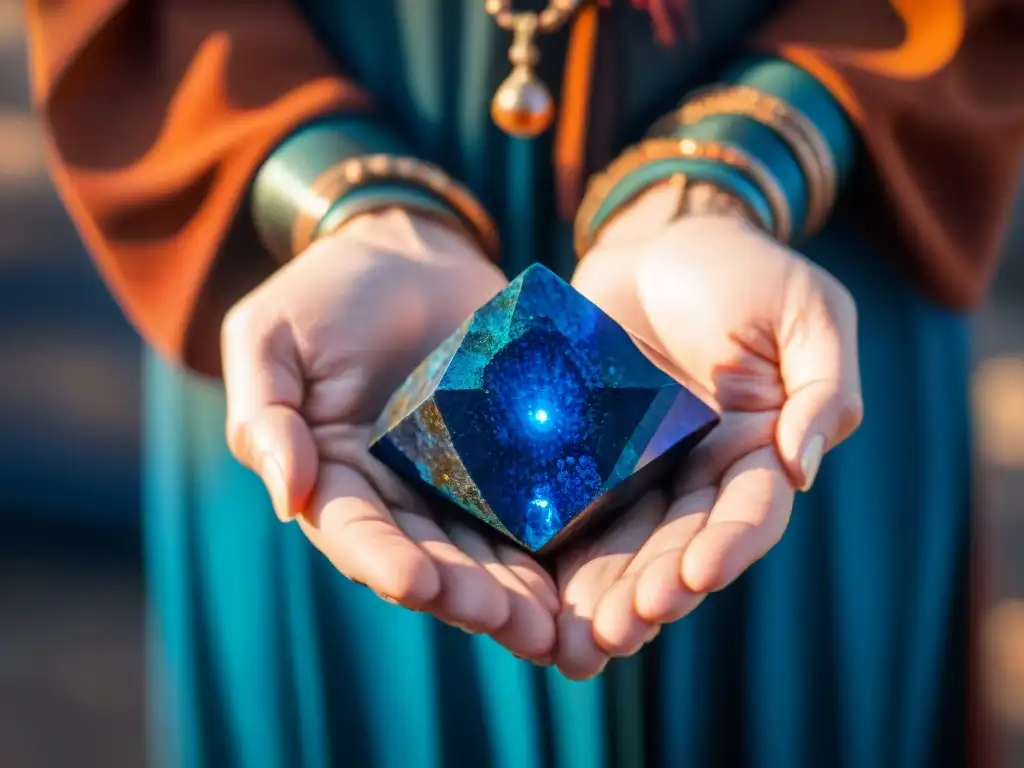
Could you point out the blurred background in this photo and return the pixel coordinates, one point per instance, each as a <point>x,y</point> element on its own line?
<point>71,602</point>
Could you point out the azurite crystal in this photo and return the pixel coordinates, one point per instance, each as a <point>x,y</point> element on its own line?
<point>538,414</point>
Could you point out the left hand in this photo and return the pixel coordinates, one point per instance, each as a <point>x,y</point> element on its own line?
<point>769,339</point>
<point>310,357</point>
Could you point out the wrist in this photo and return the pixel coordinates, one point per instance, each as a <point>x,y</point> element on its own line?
<point>665,203</point>
<point>769,136</point>
<point>285,192</point>
<point>730,170</point>
<point>390,202</point>
<point>409,229</point>
<point>342,168</point>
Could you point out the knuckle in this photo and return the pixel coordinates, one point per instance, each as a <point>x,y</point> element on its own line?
<point>252,337</point>
<point>239,322</point>
<point>844,306</point>
<point>837,298</point>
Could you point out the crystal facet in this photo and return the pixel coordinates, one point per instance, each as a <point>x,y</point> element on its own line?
<point>539,415</point>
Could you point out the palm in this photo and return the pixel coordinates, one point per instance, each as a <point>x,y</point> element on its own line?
<point>348,320</point>
<point>712,313</point>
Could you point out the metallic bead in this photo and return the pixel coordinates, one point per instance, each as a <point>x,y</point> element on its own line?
<point>523,106</point>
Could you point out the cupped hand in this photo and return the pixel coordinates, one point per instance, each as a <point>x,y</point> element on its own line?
<point>769,339</point>
<point>310,357</point>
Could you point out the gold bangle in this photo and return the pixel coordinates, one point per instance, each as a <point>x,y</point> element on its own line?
<point>356,172</point>
<point>792,126</point>
<point>653,150</point>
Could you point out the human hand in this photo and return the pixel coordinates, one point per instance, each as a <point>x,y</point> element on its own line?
<point>310,357</point>
<point>770,339</point>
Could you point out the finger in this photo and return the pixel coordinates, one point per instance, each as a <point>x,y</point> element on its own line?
<point>529,631</point>
<point>265,431</point>
<point>661,595</point>
<point>749,517</point>
<point>351,526</point>
<point>586,573</point>
<point>819,364</point>
<point>736,435</point>
<point>532,574</point>
<point>470,598</point>
<point>618,629</point>
<point>641,599</point>
<point>285,458</point>
<point>260,368</point>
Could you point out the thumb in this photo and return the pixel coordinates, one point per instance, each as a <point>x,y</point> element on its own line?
<point>820,372</point>
<point>264,391</point>
<point>285,458</point>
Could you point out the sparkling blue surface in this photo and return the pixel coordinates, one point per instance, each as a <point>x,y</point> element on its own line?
<point>538,414</point>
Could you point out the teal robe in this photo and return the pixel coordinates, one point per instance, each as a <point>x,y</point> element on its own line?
<point>845,646</point>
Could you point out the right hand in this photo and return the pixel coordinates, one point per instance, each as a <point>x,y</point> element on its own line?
<point>310,357</point>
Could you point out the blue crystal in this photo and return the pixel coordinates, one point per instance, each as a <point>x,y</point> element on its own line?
<point>538,415</point>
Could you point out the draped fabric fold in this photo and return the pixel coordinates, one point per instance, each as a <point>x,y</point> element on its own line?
<point>937,92</point>
<point>157,115</point>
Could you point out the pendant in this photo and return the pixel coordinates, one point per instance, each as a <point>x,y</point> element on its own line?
<point>523,106</point>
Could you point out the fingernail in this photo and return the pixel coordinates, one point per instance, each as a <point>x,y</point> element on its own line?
<point>810,462</point>
<point>273,478</point>
<point>652,633</point>
<point>387,598</point>
<point>465,628</point>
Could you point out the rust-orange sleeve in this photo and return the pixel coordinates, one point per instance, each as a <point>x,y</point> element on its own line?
<point>157,115</point>
<point>936,89</point>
